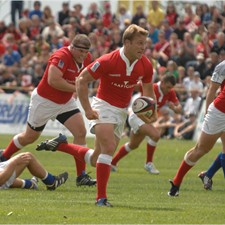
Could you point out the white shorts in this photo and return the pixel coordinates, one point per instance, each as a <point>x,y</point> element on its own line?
<point>10,181</point>
<point>214,121</point>
<point>109,114</point>
<point>41,110</point>
<point>135,122</point>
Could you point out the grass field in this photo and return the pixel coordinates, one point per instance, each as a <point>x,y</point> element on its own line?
<point>137,197</point>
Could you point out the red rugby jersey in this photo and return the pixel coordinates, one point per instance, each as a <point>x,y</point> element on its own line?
<point>118,77</point>
<point>64,61</point>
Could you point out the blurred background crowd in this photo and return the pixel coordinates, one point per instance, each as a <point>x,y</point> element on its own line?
<point>187,43</point>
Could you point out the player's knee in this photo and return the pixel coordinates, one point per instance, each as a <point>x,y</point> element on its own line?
<point>133,146</point>
<point>201,150</point>
<point>81,133</point>
<point>29,155</point>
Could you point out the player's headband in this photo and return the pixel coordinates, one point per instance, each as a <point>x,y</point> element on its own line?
<point>77,46</point>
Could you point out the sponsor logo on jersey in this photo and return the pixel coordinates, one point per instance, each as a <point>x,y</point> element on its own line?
<point>60,64</point>
<point>70,70</point>
<point>114,75</point>
<point>125,84</point>
<point>95,66</point>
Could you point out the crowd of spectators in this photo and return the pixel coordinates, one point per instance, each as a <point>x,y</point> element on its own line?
<point>188,44</point>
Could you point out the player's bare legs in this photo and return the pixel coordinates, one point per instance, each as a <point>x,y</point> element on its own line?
<point>108,143</point>
<point>75,124</point>
<point>206,176</point>
<point>204,145</point>
<point>20,162</point>
<point>135,141</point>
<point>21,140</point>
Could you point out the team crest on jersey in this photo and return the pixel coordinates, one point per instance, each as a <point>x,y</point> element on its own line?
<point>60,64</point>
<point>95,66</point>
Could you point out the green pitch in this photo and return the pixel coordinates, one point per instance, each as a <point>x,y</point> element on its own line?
<point>137,197</point>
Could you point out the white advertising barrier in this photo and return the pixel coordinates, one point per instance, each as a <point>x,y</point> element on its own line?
<point>13,116</point>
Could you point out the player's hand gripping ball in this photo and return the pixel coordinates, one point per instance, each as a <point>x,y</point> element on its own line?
<point>145,106</point>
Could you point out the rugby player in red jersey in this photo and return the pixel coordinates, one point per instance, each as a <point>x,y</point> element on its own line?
<point>165,94</point>
<point>118,72</point>
<point>54,99</point>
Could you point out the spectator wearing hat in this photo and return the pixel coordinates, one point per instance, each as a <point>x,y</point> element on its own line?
<point>63,13</point>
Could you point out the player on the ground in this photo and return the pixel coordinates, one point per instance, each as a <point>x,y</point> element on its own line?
<point>54,99</point>
<point>11,169</point>
<point>118,72</point>
<point>165,95</point>
<point>213,128</point>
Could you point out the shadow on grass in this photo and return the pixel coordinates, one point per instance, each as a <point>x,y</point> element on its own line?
<point>149,208</point>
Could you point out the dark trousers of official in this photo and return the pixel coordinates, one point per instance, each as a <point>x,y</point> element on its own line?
<point>16,6</point>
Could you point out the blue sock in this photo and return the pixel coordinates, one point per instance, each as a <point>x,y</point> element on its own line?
<point>222,161</point>
<point>216,165</point>
<point>49,179</point>
<point>28,184</point>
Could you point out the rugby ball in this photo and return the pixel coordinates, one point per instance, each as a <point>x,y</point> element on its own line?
<point>144,105</point>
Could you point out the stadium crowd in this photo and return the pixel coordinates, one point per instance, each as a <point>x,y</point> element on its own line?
<point>187,44</point>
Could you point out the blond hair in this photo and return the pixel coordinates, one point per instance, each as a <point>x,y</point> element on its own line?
<point>133,31</point>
